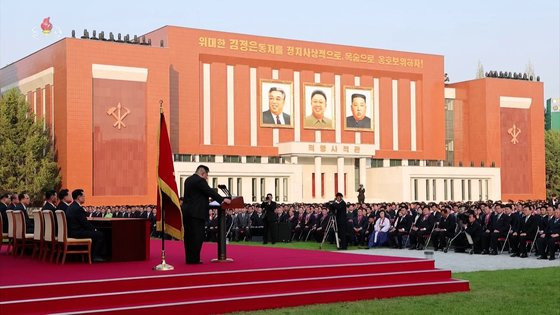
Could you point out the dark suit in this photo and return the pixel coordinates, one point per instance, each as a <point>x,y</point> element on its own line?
<point>195,213</point>
<point>402,227</point>
<point>62,206</point>
<point>270,222</point>
<point>447,225</point>
<point>425,225</point>
<point>546,240</point>
<point>50,207</point>
<point>501,223</point>
<point>352,123</point>
<point>3,209</point>
<point>527,226</point>
<point>79,227</point>
<point>268,118</point>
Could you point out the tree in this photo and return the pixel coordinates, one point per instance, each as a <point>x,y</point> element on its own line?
<point>480,70</point>
<point>26,158</point>
<point>552,158</point>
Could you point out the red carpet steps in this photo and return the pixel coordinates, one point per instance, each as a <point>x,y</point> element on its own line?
<point>223,291</point>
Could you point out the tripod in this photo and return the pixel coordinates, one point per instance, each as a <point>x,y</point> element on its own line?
<point>331,225</point>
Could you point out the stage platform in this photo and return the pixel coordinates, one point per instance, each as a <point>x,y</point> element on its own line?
<point>259,278</point>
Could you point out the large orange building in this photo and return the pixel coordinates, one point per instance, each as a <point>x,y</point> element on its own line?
<point>420,140</point>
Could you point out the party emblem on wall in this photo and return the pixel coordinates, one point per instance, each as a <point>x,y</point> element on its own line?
<point>514,132</point>
<point>118,112</point>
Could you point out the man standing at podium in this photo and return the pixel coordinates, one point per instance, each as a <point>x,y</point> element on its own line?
<point>195,211</point>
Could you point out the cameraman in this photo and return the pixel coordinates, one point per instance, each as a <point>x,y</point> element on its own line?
<point>270,220</point>
<point>338,207</point>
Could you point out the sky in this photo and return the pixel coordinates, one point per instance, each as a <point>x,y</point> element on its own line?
<point>502,35</point>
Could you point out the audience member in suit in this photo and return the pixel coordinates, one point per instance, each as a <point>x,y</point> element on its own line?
<point>445,230</point>
<point>195,211</point>
<point>370,228</point>
<point>321,225</point>
<point>79,227</point>
<point>401,227</point>
<point>14,201</point>
<point>4,200</point>
<point>423,227</point>
<point>50,201</point>
<point>359,225</point>
<point>243,226</point>
<point>550,237</point>
<point>526,231</point>
<point>486,222</point>
<point>500,227</point>
<point>474,229</point>
<point>65,199</point>
<point>270,220</point>
<point>22,206</point>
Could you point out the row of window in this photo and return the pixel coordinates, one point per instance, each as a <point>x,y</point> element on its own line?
<point>227,158</point>
<point>449,189</point>
<point>397,162</point>
<point>237,190</point>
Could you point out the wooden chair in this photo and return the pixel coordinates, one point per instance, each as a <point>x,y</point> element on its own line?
<point>64,241</point>
<point>49,238</point>
<point>2,233</point>
<point>21,239</point>
<point>10,215</point>
<point>38,233</point>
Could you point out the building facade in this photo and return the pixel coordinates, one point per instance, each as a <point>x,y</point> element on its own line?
<point>300,120</point>
<point>552,114</point>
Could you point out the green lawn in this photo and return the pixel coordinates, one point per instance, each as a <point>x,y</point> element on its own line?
<point>521,291</point>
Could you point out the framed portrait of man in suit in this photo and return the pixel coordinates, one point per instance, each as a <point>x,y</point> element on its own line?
<point>319,106</point>
<point>358,108</point>
<point>276,104</point>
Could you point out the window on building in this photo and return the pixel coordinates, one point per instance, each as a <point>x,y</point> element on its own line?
<point>274,160</point>
<point>357,179</point>
<point>469,189</point>
<point>214,182</point>
<point>427,189</point>
<point>413,162</point>
<point>486,192</point>
<point>207,158</point>
<point>376,162</point>
<point>253,159</point>
<point>285,189</point>
<point>394,162</point>
<point>313,185</point>
<point>434,190</point>
<point>182,157</point>
<point>463,190</point>
<point>432,163</point>
<point>480,189</point>
<point>449,131</point>
<point>277,189</point>
<point>335,183</point>
<point>322,184</point>
<point>230,185</point>
<point>239,187</point>
<point>263,188</point>
<point>445,195</point>
<point>345,184</point>
<point>254,189</point>
<point>452,188</point>
<point>232,159</point>
<point>415,189</point>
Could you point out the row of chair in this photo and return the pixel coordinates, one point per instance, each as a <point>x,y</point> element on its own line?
<point>46,239</point>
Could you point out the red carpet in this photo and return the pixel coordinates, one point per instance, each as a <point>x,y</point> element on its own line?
<point>260,277</point>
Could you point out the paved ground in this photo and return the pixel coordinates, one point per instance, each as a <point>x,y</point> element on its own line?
<point>461,262</point>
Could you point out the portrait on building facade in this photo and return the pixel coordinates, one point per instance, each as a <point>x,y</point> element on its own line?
<point>276,99</point>
<point>358,108</point>
<point>319,106</point>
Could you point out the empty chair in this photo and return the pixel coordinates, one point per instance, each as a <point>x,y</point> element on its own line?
<point>64,242</point>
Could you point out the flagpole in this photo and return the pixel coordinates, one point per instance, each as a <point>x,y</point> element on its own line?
<point>163,266</point>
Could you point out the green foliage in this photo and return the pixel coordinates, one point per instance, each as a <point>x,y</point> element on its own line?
<point>552,158</point>
<point>26,158</point>
<point>521,291</point>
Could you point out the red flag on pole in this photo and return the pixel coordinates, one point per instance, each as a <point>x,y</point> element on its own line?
<point>167,196</point>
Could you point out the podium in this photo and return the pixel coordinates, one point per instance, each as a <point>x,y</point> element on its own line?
<point>236,203</point>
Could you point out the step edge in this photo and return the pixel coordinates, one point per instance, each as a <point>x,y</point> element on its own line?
<point>452,281</point>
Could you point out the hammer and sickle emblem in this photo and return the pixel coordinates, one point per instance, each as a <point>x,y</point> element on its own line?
<point>514,132</point>
<point>119,112</point>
